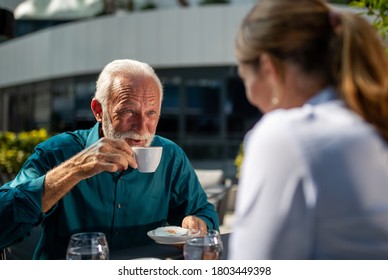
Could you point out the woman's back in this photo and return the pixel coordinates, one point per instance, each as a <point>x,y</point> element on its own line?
<point>348,161</point>
<point>314,186</point>
<point>314,179</point>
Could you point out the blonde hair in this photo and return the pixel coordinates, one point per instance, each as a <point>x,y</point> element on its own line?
<point>342,48</point>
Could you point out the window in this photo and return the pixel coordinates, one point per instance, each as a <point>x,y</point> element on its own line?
<point>240,114</point>
<point>84,89</point>
<point>202,110</point>
<point>169,125</point>
<point>63,105</point>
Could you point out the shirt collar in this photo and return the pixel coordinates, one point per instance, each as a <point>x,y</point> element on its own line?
<point>327,94</point>
<point>94,135</point>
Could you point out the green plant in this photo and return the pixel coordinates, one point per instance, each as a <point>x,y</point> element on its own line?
<point>15,148</point>
<point>239,159</point>
<point>148,6</point>
<point>378,10</point>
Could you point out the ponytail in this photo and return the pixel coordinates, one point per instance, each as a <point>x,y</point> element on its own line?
<point>363,71</point>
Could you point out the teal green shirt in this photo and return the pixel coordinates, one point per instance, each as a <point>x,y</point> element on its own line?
<point>125,206</point>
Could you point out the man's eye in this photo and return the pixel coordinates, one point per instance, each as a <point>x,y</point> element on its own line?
<point>152,113</point>
<point>126,113</point>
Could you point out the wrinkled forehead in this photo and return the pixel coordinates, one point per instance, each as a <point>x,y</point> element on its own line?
<point>141,88</point>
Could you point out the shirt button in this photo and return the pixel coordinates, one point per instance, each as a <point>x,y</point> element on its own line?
<point>119,205</point>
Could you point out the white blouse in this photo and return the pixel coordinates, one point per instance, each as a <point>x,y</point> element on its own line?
<point>314,185</point>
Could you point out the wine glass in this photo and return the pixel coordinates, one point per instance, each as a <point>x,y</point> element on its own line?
<point>207,247</point>
<point>87,246</point>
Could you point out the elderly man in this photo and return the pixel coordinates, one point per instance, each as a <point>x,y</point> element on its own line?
<point>87,180</point>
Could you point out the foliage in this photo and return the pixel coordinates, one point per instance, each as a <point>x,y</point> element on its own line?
<point>378,9</point>
<point>15,148</point>
<point>148,6</point>
<point>238,160</point>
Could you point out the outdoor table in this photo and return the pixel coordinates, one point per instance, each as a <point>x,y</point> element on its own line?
<point>160,251</point>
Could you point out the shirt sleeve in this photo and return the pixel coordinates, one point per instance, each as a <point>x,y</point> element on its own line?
<point>188,196</point>
<point>276,197</point>
<point>21,201</point>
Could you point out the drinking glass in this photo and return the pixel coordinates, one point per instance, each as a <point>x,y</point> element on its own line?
<point>87,246</point>
<point>207,247</point>
<point>215,235</point>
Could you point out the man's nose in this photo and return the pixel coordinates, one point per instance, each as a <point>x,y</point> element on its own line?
<point>140,124</point>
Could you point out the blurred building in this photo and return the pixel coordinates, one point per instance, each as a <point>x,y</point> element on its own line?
<point>50,60</point>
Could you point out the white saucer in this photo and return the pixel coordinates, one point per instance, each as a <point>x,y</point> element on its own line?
<point>172,239</point>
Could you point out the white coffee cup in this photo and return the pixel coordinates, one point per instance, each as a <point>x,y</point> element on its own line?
<point>147,158</point>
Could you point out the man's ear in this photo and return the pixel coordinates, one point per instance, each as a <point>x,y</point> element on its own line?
<point>97,109</point>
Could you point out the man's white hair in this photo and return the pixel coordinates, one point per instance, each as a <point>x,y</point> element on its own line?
<point>118,68</point>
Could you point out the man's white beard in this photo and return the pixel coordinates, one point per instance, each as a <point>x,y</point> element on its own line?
<point>109,132</point>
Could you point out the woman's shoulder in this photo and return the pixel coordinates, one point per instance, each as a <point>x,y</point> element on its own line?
<point>328,117</point>
<point>316,128</point>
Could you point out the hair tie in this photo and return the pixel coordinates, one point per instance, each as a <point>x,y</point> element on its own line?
<point>335,21</point>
